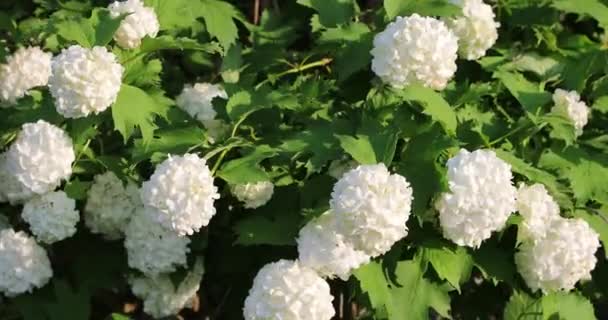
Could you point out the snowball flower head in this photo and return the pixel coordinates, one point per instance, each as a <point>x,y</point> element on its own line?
<point>415,50</point>
<point>323,249</point>
<point>255,194</point>
<point>480,199</point>
<point>475,28</point>
<point>197,102</point>
<point>52,216</point>
<point>84,81</point>
<point>371,207</point>
<point>565,255</point>
<point>289,291</point>
<point>110,205</point>
<point>140,22</point>
<point>161,298</point>
<point>24,265</point>
<point>151,248</point>
<point>11,189</point>
<point>41,156</point>
<point>182,191</point>
<point>538,209</point>
<point>27,68</point>
<point>569,104</point>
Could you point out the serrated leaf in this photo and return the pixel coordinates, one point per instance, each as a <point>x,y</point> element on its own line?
<point>76,30</point>
<point>168,141</point>
<point>134,108</point>
<point>593,8</point>
<point>451,264</point>
<point>77,189</point>
<point>331,12</point>
<point>105,26</point>
<point>529,94</point>
<point>246,168</point>
<point>495,263</point>
<point>171,43</point>
<point>219,17</point>
<point>350,46</point>
<point>562,128</point>
<point>579,68</point>
<point>433,105</point>
<point>523,307</point>
<point>404,8</point>
<point>567,306</point>
<point>231,64</point>
<point>176,14</point>
<point>372,144</point>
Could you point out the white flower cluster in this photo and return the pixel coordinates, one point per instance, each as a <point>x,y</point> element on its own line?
<point>569,104</point>
<point>324,250</point>
<point>254,195</point>
<point>110,205</point>
<point>415,50</point>
<point>475,28</point>
<point>371,207</point>
<point>39,159</point>
<point>24,265</point>
<point>559,259</point>
<point>538,209</point>
<point>161,298</point>
<point>182,192</point>
<point>151,248</point>
<point>52,217</point>
<point>480,199</point>
<point>287,290</point>
<point>84,81</point>
<point>27,68</point>
<point>197,102</point>
<point>141,21</point>
<point>11,189</point>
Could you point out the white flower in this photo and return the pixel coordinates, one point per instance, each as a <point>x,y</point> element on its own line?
<point>480,199</point>
<point>568,104</point>
<point>254,195</point>
<point>415,50</point>
<point>41,157</point>
<point>197,102</point>
<point>538,209</point>
<point>371,207</point>
<point>140,22</point>
<point>27,68</point>
<point>11,189</point>
<point>285,290</point>
<point>161,298</point>
<point>337,168</point>
<point>182,191</point>
<point>24,265</point>
<point>475,28</point>
<point>151,248</point>
<point>52,217</point>
<point>324,250</point>
<point>84,81</point>
<point>560,259</point>
<point>110,205</point>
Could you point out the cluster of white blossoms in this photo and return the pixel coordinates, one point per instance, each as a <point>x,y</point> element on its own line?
<point>151,248</point>
<point>41,157</point>
<point>415,50</point>
<point>480,200</point>
<point>161,297</point>
<point>569,104</point>
<point>141,21</point>
<point>324,250</point>
<point>287,290</point>
<point>538,209</point>
<point>476,28</point>
<point>559,259</point>
<point>52,216</point>
<point>11,189</point>
<point>24,265</point>
<point>25,69</point>
<point>182,192</point>
<point>110,205</point>
<point>253,195</point>
<point>84,81</point>
<point>371,207</point>
<point>197,102</point>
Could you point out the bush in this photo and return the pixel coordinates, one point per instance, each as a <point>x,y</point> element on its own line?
<point>303,159</point>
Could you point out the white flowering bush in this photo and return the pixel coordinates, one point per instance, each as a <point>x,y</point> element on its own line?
<point>303,159</point>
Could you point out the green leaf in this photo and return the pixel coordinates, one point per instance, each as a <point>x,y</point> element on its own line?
<point>350,46</point>
<point>567,306</point>
<point>219,17</point>
<point>168,141</point>
<point>433,105</point>
<point>77,189</point>
<point>231,64</point>
<point>258,230</point>
<point>562,128</point>
<point>105,26</point>
<point>176,14</point>
<point>171,43</point>
<point>118,316</point>
<point>581,67</point>
<point>317,141</point>
<point>134,108</point>
<point>451,264</point>
<point>593,8</point>
<point>76,30</point>
<point>495,263</point>
<point>598,220</point>
<point>410,297</point>
<point>246,168</point>
<point>372,144</point>
<point>601,104</point>
<point>523,307</point>
<point>530,95</point>
<point>331,12</point>
<point>404,8</point>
